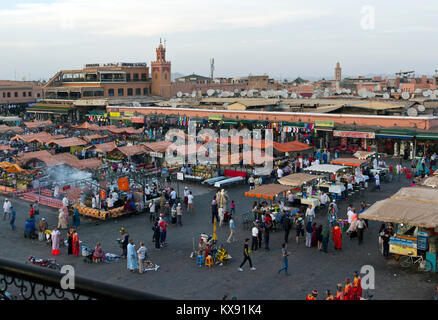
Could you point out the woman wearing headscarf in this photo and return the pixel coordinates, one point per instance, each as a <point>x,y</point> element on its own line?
<point>76,221</point>
<point>55,241</point>
<point>179,212</point>
<point>132,262</point>
<point>75,243</point>
<point>98,254</point>
<point>325,238</point>
<point>70,241</point>
<point>61,220</point>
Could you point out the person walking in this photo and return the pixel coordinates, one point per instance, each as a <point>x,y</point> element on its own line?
<point>42,227</point>
<point>284,255</point>
<point>221,213</point>
<point>141,252</point>
<point>325,238</point>
<point>76,220</point>
<point>55,241</point>
<point>319,237</point>
<point>163,230</point>
<point>156,235</point>
<point>255,233</point>
<point>299,222</point>
<point>125,242</point>
<point>12,215</point>
<point>132,263</point>
<point>6,208</point>
<point>246,256</point>
<point>233,207</point>
<point>309,231</point>
<point>361,225</point>
<point>232,225</point>
<point>337,237</point>
<point>267,225</point>
<point>214,210</point>
<point>190,206</point>
<point>377,177</point>
<point>36,208</point>
<point>179,212</point>
<point>287,225</point>
<point>75,243</point>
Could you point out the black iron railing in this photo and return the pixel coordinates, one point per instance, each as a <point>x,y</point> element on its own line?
<point>31,282</point>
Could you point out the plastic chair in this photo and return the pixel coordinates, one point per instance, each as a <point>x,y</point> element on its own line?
<point>200,260</point>
<point>209,261</point>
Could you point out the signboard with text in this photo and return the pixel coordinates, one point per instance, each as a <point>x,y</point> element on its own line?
<point>354,134</point>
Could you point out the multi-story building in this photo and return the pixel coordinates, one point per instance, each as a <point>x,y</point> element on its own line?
<point>19,93</point>
<point>74,93</point>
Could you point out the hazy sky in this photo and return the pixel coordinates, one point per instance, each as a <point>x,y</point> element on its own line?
<point>283,38</point>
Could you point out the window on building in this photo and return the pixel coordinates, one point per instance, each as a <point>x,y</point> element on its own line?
<point>138,91</point>
<point>16,94</point>
<point>24,93</point>
<point>156,75</point>
<point>135,76</point>
<point>110,92</point>
<point>9,94</point>
<point>165,76</point>
<point>144,77</point>
<point>38,95</point>
<point>129,91</point>
<point>29,94</point>
<point>128,77</point>
<point>4,94</point>
<point>120,92</point>
<point>145,91</point>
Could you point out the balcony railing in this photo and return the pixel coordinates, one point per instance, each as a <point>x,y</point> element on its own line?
<point>31,282</point>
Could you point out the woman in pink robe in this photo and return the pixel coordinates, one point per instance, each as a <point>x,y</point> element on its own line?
<point>55,241</point>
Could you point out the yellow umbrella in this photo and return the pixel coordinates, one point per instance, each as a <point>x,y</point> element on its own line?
<point>214,231</point>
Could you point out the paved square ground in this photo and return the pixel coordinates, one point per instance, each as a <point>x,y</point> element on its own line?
<point>179,277</point>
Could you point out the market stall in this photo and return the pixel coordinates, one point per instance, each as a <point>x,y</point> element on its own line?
<point>364,154</point>
<point>302,184</point>
<point>333,174</point>
<point>268,191</point>
<point>414,210</point>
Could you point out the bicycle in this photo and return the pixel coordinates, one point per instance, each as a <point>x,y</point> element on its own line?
<point>410,260</point>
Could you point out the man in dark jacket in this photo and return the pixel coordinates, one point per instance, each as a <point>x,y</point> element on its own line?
<point>287,225</point>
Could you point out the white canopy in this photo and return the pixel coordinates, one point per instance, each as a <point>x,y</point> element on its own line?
<point>325,168</point>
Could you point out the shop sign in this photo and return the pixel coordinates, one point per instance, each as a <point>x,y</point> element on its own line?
<point>403,246</point>
<point>156,154</point>
<point>422,240</point>
<point>327,124</point>
<point>128,114</point>
<point>137,120</point>
<point>115,114</point>
<point>354,134</point>
<point>180,176</point>
<point>215,117</point>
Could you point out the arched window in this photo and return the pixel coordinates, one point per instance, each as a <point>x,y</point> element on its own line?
<point>165,76</point>
<point>156,75</point>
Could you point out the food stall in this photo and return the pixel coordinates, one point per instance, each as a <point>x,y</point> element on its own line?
<point>364,154</point>
<point>333,173</point>
<point>414,211</point>
<point>300,182</point>
<point>357,165</point>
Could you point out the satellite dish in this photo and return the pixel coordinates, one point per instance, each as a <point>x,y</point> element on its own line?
<point>231,94</point>
<point>313,96</point>
<point>236,90</point>
<point>412,112</point>
<point>392,91</point>
<point>338,91</point>
<point>284,95</point>
<point>193,94</point>
<point>348,91</point>
<point>385,89</point>
<point>326,90</point>
<point>225,105</point>
<point>250,94</point>
<point>136,104</point>
<point>435,92</point>
<point>376,88</point>
<point>418,90</point>
<point>385,96</point>
<point>293,95</point>
<point>173,105</point>
<point>425,93</point>
<point>432,96</point>
<point>179,94</point>
<point>405,95</point>
<point>326,94</point>
<point>398,90</point>
<point>243,93</point>
<point>421,108</point>
<point>210,92</point>
<point>429,92</point>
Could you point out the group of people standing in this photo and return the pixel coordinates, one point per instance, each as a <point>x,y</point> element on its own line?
<point>349,291</point>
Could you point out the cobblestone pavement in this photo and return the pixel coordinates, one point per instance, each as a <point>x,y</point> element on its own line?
<point>179,277</point>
